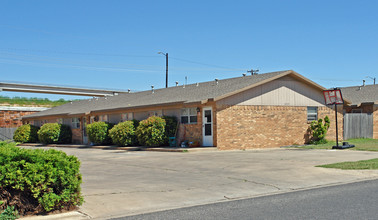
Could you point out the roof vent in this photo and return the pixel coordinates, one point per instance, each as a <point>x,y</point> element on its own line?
<point>115,93</point>
<point>129,90</point>
<point>176,83</point>
<point>197,84</point>
<point>363,82</point>
<point>216,81</point>
<point>244,74</point>
<point>152,88</point>
<point>253,72</point>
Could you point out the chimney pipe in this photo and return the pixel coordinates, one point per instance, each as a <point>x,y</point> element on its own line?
<point>152,87</point>
<point>176,83</point>
<point>363,82</point>
<point>216,80</point>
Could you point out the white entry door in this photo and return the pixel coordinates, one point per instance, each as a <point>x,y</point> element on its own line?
<point>207,126</point>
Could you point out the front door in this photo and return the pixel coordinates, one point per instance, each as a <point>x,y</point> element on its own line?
<point>207,126</point>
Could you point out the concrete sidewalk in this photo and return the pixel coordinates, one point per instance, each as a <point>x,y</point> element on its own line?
<point>119,183</point>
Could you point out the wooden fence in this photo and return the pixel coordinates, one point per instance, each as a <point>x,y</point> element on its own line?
<point>358,125</point>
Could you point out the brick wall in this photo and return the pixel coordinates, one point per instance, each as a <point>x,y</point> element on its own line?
<point>77,137</point>
<point>243,127</point>
<point>11,119</point>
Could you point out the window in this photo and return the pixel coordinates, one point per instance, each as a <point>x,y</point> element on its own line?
<point>104,118</point>
<point>189,116</point>
<point>59,120</point>
<point>158,113</point>
<point>312,113</point>
<point>75,123</point>
<point>127,116</point>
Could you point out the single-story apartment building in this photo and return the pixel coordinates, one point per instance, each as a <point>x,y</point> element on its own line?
<point>252,111</point>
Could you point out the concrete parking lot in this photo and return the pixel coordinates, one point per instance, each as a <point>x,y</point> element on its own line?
<point>119,183</point>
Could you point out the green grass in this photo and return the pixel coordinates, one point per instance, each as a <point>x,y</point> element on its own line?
<point>22,101</point>
<point>358,165</point>
<point>362,144</point>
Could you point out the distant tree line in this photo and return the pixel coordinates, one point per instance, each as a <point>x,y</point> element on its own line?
<point>23,101</point>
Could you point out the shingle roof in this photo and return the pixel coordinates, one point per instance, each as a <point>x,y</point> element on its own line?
<point>360,94</point>
<point>181,94</point>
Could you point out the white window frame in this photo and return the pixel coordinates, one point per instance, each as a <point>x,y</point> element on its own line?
<point>157,113</point>
<point>188,113</point>
<point>75,123</point>
<point>310,115</point>
<point>103,118</point>
<point>127,116</point>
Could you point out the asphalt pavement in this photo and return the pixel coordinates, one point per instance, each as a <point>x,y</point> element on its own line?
<point>118,183</point>
<point>350,201</point>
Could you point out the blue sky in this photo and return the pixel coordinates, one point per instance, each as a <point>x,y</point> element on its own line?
<point>114,44</point>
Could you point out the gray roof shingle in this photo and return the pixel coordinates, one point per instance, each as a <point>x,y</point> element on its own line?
<point>189,94</point>
<point>360,94</point>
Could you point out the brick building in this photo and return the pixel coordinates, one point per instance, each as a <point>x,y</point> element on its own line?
<point>10,116</point>
<point>254,111</point>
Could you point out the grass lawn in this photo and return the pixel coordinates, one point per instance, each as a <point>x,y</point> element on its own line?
<point>358,165</point>
<point>363,144</point>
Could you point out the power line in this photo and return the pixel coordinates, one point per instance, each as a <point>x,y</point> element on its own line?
<point>29,52</point>
<point>75,53</point>
<point>205,64</point>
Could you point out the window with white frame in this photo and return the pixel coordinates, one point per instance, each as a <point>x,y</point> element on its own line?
<point>75,123</point>
<point>59,120</point>
<point>312,113</point>
<point>104,118</point>
<point>189,116</point>
<point>127,116</point>
<point>158,113</point>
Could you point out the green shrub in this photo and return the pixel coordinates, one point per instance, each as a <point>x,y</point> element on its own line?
<point>49,178</point>
<point>150,132</point>
<point>54,133</point>
<point>9,213</point>
<point>26,134</point>
<point>123,134</point>
<point>319,130</point>
<point>170,127</point>
<point>98,132</point>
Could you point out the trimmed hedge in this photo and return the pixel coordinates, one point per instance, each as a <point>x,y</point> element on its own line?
<point>98,132</point>
<point>54,133</point>
<point>26,134</point>
<point>170,128</point>
<point>123,134</point>
<point>150,132</point>
<point>38,181</point>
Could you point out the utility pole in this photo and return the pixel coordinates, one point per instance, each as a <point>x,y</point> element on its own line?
<point>166,68</point>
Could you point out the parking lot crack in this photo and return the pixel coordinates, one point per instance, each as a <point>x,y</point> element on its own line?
<point>254,182</point>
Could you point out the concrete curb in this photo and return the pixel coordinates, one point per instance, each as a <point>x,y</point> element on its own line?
<point>156,149</point>
<point>67,215</point>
